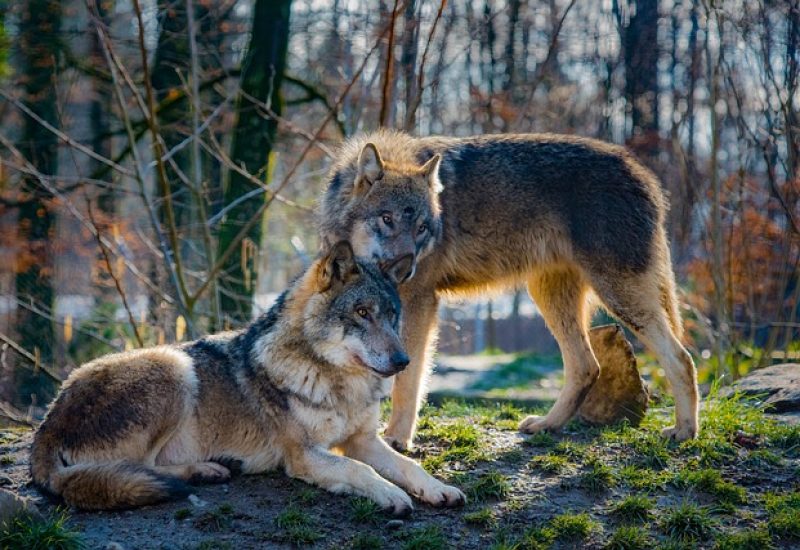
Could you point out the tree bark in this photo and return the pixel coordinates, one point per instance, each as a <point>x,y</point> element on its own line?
<point>253,140</point>
<point>40,22</point>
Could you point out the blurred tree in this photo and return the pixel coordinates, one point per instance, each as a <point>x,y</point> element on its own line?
<point>253,139</point>
<point>39,47</point>
<point>641,51</point>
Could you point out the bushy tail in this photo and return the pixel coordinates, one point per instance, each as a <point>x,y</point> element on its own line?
<point>106,486</point>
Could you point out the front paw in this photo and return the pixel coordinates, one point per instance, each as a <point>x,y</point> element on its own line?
<point>393,500</point>
<point>535,424</point>
<point>679,433</point>
<point>442,496</point>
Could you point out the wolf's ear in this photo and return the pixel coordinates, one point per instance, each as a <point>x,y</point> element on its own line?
<point>338,266</point>
<point>431,171</point>
<point>370,168</point>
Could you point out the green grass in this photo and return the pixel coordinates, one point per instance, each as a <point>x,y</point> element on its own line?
<point>573,527</point>
<point>424,538</point>
<point>31,534</point>
<point>571,449</point>
<point>541,439</point>
<point>363,510</point>
<point>551,464</point>
<point>630,537</point>
<point>643,479</point>
<point>219,519</point>
<point>365,541</point>
<point>687,522</point>
<point>597,477</point>
<point>745,540</point>
<point>518,373</point>
<point>762,458</point>
<point>633,509</point>
<point>459,441</point>
<point>482,518</point>
<point>783,511</point>
<point>489,485</point>
<point>297,526</point>
<point>183,513</point>
<point>711,482</point>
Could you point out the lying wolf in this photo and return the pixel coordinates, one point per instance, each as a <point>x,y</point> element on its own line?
<point>575,220</point>
<point>133,428</point>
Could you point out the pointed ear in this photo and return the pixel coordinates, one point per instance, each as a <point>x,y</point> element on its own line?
<point>399,270</point>
<point>338,266</point>
<point>370,168</point>
<point>431,171</point>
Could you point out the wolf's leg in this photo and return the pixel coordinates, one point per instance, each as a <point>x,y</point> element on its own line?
<point>201,472</point>
<point>340,474</point>
<point>647,305</point>
<point>420,326</point>
<point>372,450</point>
<point>560,295</point>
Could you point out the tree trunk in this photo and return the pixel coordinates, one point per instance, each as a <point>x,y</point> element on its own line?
<point>641,75</point>
<point>253,139</point>
<point>40,22</point>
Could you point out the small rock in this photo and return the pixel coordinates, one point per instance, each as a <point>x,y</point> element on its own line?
<point>395,524</point>
<point>197,501</point>
<point>619,393</point>
<point>11,505</point>
<point>778,385</point>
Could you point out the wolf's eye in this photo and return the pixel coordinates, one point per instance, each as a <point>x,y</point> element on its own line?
<point>363,312</point>
<point>422,229</point>
<point>387,219</point>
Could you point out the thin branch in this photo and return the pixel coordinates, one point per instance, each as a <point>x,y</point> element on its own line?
<point>37,364</point>
<point>117,284</point>
<point>412,109</point>
<point>383,118</point>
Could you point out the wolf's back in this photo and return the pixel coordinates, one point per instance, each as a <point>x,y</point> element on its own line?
<point>102,486</point>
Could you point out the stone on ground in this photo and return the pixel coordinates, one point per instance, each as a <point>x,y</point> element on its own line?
<point>12,505</point>
<point>778,385</point>
<point>619,393</point>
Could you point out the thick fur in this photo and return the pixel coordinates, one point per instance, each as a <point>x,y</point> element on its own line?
<point>577,221</point>
<point>134,428</point>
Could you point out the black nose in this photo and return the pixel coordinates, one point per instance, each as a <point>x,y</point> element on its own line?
<point>399,361</point>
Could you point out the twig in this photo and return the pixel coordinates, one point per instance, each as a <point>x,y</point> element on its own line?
<point>99,239</point>
<point>37,364</point>
<point>383,118</point>
<point>412,109</point>
<point>62,136</point>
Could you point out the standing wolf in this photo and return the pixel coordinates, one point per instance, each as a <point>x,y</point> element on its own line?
<point>575,220</point>
<point>132,428</point>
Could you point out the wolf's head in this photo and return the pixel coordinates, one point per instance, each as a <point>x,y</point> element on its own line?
<point>352,317</point>
<point>389,212</point>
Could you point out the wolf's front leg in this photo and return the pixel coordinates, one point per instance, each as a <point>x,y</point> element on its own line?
<point>339,474</point>
<point>369,448</point>
<point>420,327</point>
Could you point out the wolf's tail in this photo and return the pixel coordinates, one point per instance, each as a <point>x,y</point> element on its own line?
<point>105,485</point>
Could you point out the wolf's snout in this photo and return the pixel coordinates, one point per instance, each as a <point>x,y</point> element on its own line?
<point>399,361</point>
<point>398,269</point>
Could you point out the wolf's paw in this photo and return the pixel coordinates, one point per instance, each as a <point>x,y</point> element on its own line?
<point>393,500</point>
<point>535,424</point>
<point>208,472</point>
<point>679,433</point>
<point>399,445</point>
<point>441,495</point>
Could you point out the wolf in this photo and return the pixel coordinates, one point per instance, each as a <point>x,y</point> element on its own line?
<point>577,221</point>
<point>300,382</point>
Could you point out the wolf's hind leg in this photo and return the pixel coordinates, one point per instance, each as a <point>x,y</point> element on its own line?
<point>647,305</point>
<point>420,323</point>
<point>560,295</point>
<point>339,474</point>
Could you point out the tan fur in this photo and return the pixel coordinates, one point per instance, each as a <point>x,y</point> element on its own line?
<point>508,223</point>
<point>130,429</point>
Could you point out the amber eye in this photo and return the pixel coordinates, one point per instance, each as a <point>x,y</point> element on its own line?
<point>422,229</point>
<point>363,312</point>
<point>387,219</point>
